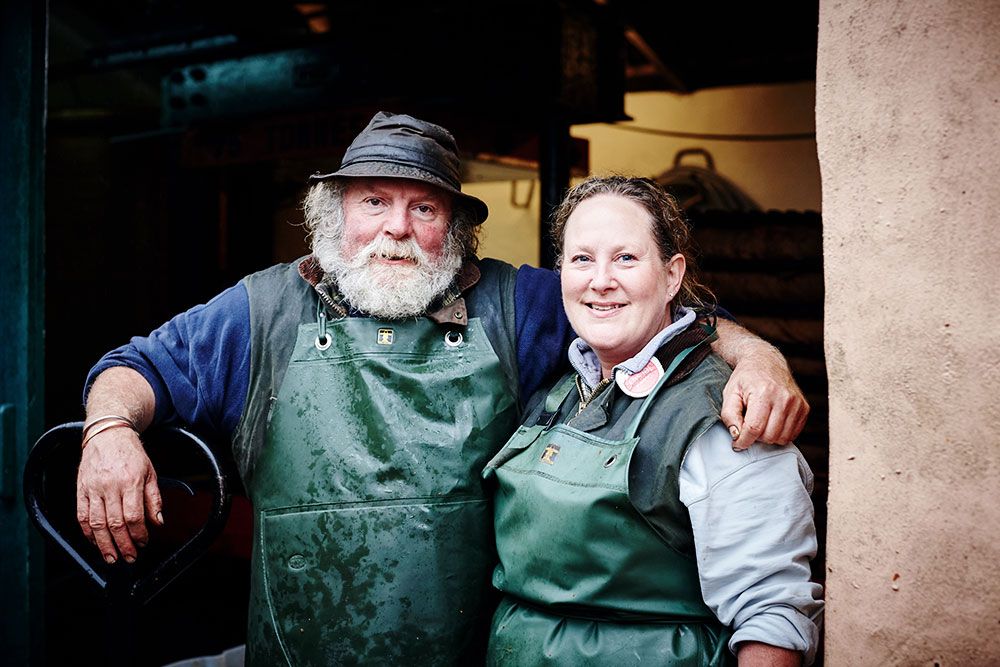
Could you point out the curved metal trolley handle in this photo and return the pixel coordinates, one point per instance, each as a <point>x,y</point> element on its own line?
<point>121,580</point>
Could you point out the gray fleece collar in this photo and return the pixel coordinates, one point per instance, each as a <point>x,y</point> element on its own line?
<point>584,359</point>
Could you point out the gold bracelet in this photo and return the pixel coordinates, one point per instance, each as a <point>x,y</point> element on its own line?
<point>106,422</point>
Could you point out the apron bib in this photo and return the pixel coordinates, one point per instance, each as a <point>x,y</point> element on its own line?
<point>372,530</point>
<point>587,580</point>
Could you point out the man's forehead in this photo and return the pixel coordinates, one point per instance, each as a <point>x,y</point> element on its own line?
<point>399,187</point>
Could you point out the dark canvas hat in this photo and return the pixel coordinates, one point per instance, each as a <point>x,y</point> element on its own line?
<point>401,146</point>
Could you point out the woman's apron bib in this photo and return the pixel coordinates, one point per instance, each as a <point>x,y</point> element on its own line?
<point>587,580</point>
<point>366,493</point>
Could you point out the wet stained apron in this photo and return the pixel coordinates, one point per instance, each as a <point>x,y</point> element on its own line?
<point>372,531</point>
<point>587,581</point>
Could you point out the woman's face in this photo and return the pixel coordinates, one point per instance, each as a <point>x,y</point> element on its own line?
<point>615,287</point>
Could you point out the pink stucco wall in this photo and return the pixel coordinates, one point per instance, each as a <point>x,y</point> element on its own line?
<point>908,133</point>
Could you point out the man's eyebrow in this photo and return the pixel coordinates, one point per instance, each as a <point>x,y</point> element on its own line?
<point>382,191</point>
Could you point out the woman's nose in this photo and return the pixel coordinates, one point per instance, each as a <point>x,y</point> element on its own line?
<point>603,278</point>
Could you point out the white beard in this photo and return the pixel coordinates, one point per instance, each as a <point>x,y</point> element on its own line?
<point>389,291</point>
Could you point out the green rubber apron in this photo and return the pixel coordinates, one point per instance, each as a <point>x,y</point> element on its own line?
<point>373,540</point>
<point>587,580</point>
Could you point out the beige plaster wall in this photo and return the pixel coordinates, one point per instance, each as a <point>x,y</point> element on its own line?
<point>908,129</point>
<point>777,174</point>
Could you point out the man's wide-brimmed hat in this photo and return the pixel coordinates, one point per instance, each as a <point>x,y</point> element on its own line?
<point>401,146</point>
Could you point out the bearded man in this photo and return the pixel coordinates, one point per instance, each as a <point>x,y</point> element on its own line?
<point>363,388</point>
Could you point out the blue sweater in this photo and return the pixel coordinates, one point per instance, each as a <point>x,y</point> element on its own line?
<point>198,363</point>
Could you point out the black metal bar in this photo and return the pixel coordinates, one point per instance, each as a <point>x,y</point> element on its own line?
<point>554,170</point>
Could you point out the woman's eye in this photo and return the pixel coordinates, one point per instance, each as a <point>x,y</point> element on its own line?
<point>626,257</point>
<point>373,201</point>
<point>579,259</point>
<point>425,209</point>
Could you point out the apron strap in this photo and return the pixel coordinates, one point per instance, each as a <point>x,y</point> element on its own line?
<point>555,399</point>
<point>634,426</point>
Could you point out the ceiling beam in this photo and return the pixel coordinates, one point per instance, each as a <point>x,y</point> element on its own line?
<point>653,65</point>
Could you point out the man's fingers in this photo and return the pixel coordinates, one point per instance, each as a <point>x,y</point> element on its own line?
<point>154,502</point>
<point>118,529</point>
<point>774,428</point>
<point>99,529</point>
<point>786,428</point>
<point>794,423</point>
<point>754,424</point>
<point>732,410</point>
<point>83,513</point>
<point>800,424</point>
<point>134,514</point>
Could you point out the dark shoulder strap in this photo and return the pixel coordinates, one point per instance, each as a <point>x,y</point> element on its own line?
<point>280,300</point>
<point>492,301</point>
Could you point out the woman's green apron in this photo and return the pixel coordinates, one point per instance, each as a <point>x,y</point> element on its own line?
<point>587,580</point>
<point>372,530</point>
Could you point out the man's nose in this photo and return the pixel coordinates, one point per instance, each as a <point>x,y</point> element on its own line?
<point>398,224</point>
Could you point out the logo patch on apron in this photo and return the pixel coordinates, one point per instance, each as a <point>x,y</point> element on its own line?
<point>385,337</point>
<point>550,454</point>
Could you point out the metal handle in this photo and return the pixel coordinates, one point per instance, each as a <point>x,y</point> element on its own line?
<point>121,580</point>
<point>683,153</point>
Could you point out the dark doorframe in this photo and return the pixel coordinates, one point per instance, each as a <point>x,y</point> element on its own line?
<point>23,44</point>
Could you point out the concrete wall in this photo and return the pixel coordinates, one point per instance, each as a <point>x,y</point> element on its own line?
<point>908,130</point>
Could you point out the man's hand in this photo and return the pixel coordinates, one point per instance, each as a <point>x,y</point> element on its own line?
<point>761,401</point>
<point>116,488</point>
<point>116,491</point>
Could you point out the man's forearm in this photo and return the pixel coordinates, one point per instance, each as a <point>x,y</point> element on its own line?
<point>122,392</point>
<point>736,344</point>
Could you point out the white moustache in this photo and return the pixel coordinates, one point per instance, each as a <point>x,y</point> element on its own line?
<point>387,248</point>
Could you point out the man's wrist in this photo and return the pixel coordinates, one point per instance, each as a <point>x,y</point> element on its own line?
<point>103,423</point>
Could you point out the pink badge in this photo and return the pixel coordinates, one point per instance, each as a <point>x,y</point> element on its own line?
<point>638,385</point>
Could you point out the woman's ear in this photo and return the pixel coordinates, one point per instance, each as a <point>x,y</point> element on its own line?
<point>676,266</point>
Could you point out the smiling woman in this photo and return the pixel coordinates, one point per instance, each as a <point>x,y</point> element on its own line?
<point>628,529</point>
<point>616,287</point>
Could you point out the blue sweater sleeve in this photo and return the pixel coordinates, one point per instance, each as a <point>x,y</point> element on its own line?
<point>543,332</point>
<point>198,364</point>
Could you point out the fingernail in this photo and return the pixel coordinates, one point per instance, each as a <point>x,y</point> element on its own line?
<point>109,559</point>
<point>159,518</point>
<point>734,431</point>
<point>142,544</point>
<point>130,559</point>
